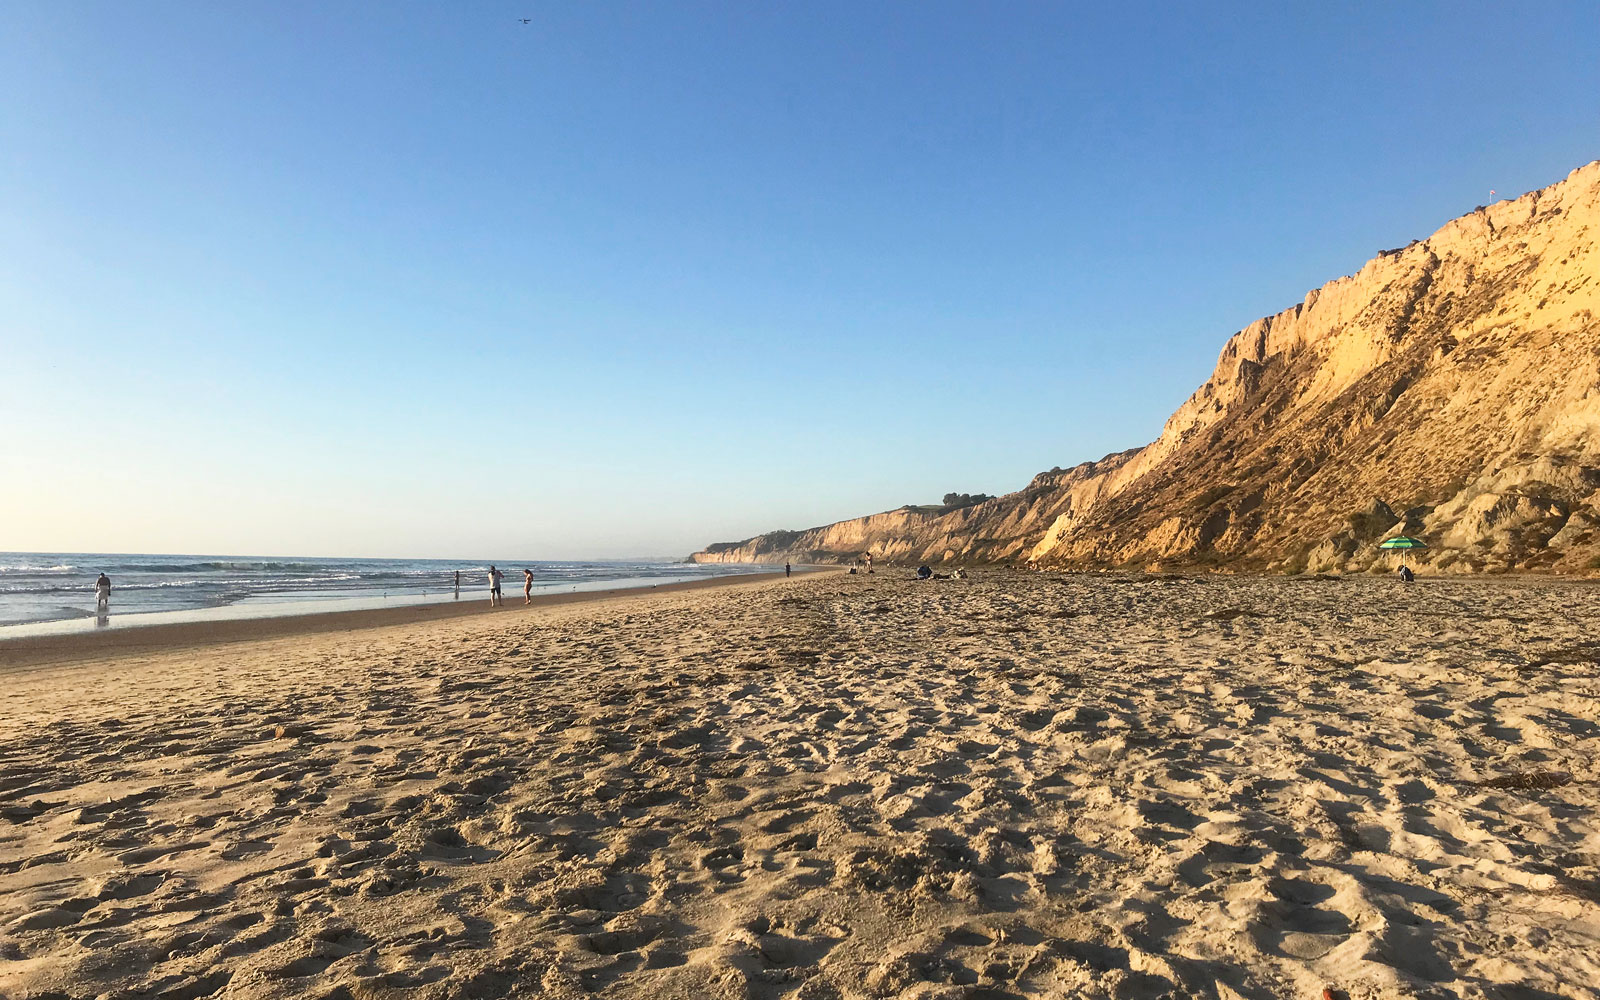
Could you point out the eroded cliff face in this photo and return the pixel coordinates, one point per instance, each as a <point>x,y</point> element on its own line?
<point>1450,389</point>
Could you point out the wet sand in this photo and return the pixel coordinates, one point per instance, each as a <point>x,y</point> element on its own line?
<point>826,787</point>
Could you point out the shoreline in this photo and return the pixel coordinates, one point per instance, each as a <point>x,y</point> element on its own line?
<point>32,652</point>
<point>36,600</point>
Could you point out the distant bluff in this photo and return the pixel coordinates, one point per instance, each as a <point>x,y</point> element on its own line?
<point>1450,389</point>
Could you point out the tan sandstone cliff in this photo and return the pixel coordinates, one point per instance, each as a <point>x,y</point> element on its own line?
<point>1450,389</point>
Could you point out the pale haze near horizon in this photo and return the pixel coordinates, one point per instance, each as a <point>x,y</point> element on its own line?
<point>417,280</point>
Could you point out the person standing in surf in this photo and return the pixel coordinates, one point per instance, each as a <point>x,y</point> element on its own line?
<point>527,586</point>
<point>495,576</point>
<point>102,592</point>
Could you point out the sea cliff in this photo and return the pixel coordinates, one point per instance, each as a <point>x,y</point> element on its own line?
<point>1450,389</point>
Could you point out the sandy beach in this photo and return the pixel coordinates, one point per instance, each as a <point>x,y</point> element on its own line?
<point>831,786</point>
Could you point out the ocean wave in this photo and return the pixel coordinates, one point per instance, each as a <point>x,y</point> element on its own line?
<point>243,586</point>
<point>88,587</point>
<point>235,565</point>
<point>22,568</point>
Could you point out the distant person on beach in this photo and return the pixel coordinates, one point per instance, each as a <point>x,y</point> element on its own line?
<point>923,572</point>
<point>527,586</point>
<point>787,569</point>
<point>1405,574</point>
<point>495,576</point>
<point>102,591</point>
<point>458,585</point>
<point>869,562</point>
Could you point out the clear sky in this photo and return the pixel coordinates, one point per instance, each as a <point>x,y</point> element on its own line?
<point>418,279</point>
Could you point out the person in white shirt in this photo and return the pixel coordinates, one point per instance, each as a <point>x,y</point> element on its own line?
<point>494,586</point>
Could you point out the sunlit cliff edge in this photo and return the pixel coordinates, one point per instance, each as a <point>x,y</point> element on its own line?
<point>1450,390</point>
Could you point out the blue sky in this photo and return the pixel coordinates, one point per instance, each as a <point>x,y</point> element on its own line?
<point>417,279</point>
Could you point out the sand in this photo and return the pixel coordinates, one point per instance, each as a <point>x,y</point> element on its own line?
<point>832,786</point>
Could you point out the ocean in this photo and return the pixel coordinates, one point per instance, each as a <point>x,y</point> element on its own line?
<point>40,588</point>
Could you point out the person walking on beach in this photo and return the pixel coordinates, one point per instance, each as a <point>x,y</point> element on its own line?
<point>527,586</point>
<point>102,592</point>
<point>786,569</point>
<point>495,576</point>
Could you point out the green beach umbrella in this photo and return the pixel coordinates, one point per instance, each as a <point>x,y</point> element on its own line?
<point>1402,544</point>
